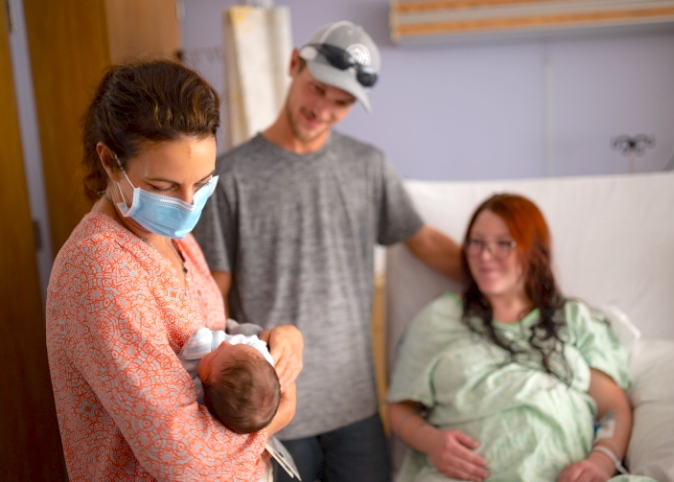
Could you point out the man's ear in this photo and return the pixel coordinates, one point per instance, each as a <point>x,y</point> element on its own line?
<point>294,63</point>
<point>108,161</point>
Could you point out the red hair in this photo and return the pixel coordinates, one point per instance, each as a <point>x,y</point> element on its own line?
<point>529,230</point>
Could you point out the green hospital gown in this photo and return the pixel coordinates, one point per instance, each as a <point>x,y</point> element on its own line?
<point>530,425</point>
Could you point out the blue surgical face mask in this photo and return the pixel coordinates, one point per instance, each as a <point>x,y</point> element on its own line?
<point>165,215</point>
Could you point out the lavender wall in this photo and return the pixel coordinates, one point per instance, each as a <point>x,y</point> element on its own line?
<point>490,110</point>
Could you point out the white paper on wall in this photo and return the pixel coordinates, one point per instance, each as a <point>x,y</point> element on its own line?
<point>257,47</point>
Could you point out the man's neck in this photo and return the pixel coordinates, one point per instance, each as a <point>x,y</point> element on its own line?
<point>281,134</point>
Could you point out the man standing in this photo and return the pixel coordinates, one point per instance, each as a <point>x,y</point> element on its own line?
<point>289,235</point>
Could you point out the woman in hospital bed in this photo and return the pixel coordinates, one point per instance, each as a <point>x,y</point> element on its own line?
<point>507,381</point>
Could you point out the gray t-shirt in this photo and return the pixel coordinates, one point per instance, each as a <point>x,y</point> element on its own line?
<point>297,232</point>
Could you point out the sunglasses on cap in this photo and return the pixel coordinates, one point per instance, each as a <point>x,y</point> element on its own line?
<point>343,60</point>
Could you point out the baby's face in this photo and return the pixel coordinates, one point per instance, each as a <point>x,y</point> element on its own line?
<point>222,355</point>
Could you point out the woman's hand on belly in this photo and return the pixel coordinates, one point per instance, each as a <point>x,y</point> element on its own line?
<point>452,453</point>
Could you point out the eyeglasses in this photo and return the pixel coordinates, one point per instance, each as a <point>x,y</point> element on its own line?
<point>498,249</point>
<point>343,60</point>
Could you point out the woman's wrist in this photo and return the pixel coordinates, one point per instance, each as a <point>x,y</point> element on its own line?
<point>603,461</point>
<point>610,449</point>
<point>424,436</point>
<point>611,445</point>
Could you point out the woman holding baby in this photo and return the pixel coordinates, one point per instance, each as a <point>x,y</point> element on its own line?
<point>130,286</point>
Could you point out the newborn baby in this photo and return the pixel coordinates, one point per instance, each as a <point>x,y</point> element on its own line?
<point>234,377</point>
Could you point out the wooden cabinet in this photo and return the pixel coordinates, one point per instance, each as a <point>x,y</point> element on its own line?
<point>71,43</point>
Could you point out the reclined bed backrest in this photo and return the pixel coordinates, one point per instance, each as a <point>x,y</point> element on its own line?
<point>613,243</point>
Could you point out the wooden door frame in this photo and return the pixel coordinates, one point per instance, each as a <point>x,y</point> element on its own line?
<point>30,445</point>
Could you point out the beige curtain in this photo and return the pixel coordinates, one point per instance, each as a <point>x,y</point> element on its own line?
<point>257,47</point>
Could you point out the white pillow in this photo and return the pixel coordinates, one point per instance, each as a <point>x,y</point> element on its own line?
<point>625,330</point>
<point>651,448</point>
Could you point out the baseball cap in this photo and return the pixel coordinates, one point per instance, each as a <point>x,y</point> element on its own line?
<point>353,39</point>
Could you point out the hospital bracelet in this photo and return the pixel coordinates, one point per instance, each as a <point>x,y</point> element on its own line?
<point>609,453</point>
<point>615,448</point>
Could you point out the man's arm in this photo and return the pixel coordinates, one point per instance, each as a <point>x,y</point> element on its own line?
<point>286,410</point>
<point>224,281</point>
<point>437,250</point>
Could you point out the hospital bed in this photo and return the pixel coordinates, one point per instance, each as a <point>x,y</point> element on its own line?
<point>613,247</point>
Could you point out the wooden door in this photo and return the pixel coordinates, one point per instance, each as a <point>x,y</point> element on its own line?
<point>147,29</point>
<point>71,43</point>
<point>30,447</point>
<point>68,51</point>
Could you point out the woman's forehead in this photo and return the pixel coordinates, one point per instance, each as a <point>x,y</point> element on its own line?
<point>488,222</point>
<point>191,157</point>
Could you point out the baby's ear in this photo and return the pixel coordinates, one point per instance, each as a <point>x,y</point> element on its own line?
<point>204,368</point>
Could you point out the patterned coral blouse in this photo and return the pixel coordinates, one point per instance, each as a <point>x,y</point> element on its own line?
<point>116,318</point>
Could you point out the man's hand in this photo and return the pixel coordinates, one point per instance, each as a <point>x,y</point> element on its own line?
<point>451,452</point>
<point>285,345</point>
